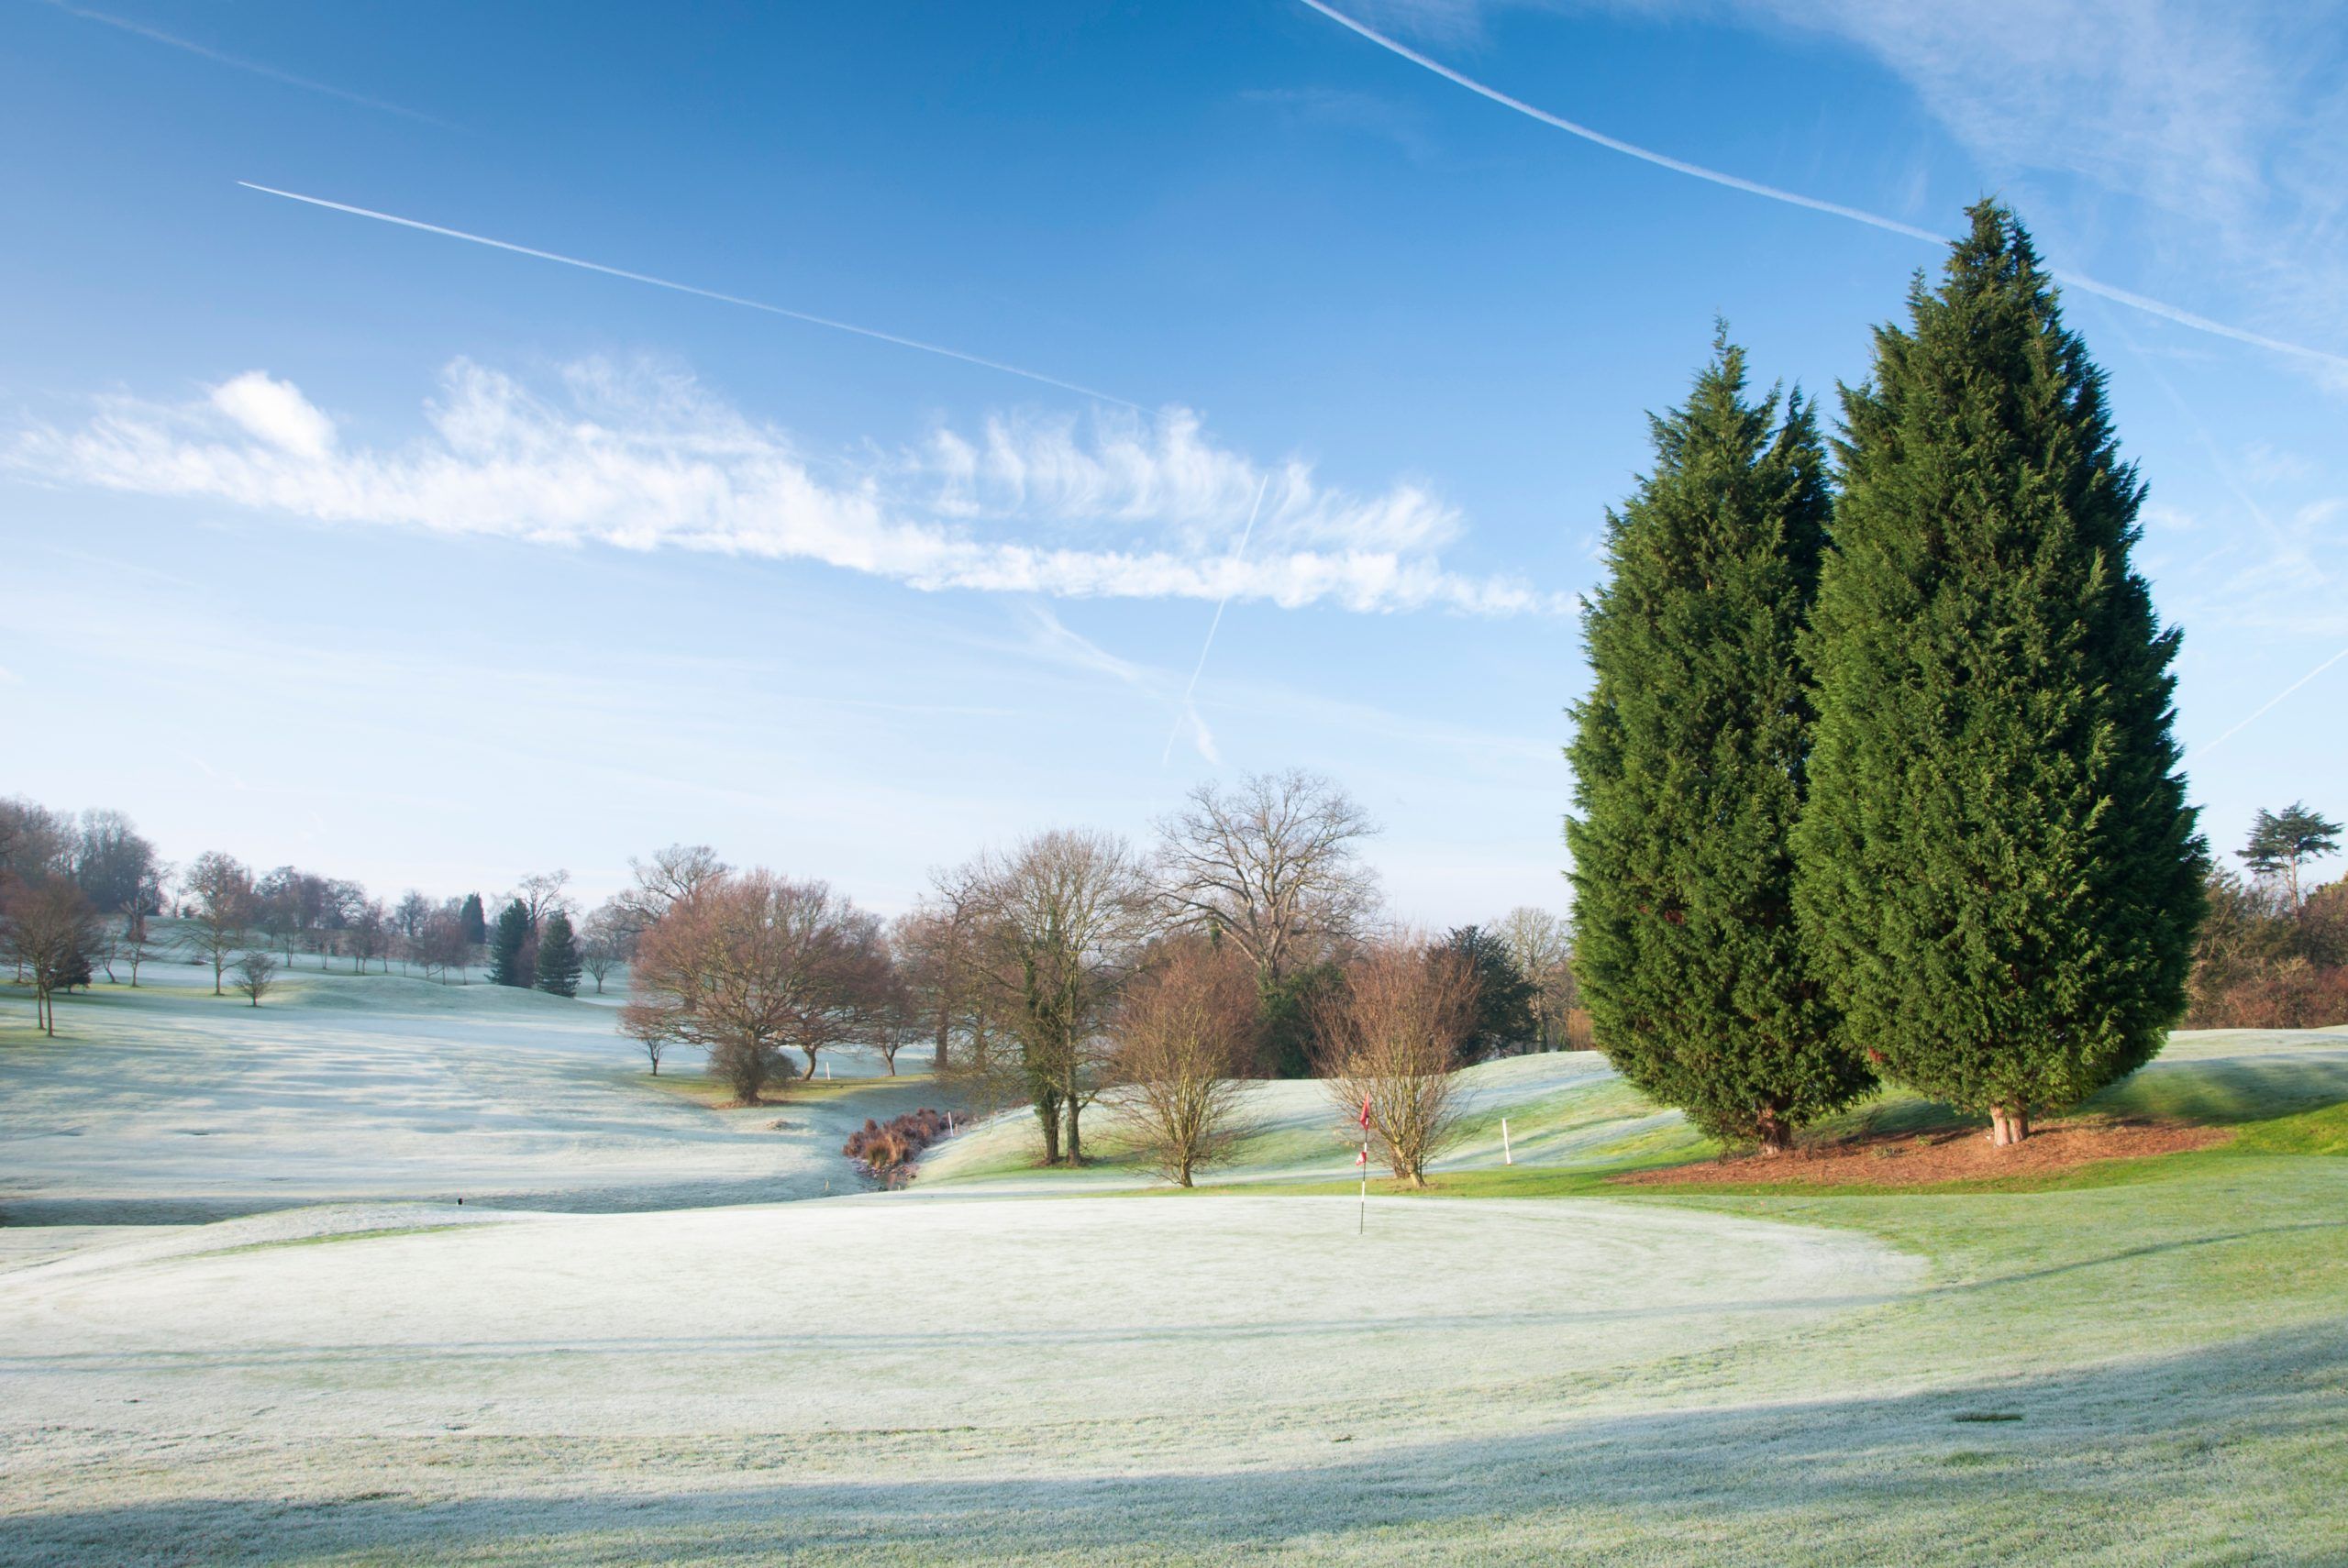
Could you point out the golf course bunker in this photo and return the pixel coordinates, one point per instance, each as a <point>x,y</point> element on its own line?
<point>881,1314</point>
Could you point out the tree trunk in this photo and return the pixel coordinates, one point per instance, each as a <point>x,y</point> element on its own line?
<point>1776,1137</point>
<point>1075,1136</point>
<point>1047,1112</point>
<point>2009,1124</point>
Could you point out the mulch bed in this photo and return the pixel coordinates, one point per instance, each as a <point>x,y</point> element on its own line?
<point>1913,1159</point>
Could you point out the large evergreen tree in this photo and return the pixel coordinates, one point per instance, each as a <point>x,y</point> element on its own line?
<point>1689,757</point>
<point>509,959</point>
<point>558,963</point>
<point>472,922</point>
<point>1997,858</point>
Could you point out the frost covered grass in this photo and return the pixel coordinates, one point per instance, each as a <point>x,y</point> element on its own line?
<point>2148,1369</point>
<point>166,1103</point>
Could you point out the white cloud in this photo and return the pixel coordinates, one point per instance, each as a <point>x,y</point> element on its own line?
<point>640,458</point>
<point>2226,120</point>
<point>276,411</point>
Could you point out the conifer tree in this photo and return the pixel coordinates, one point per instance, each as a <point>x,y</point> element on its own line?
<point>1997,859</point>
<point>558,964</point>
<point>1688,758</point>
<point>509,963</point>
<point>472,922</point>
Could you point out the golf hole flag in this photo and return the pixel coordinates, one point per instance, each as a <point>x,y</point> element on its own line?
<point>1361,1163</point>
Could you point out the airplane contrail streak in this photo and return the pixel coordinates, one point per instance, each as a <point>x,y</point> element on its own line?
<point>252,67</point>
<point>2268,706</point>
<point>1795,198</point>
<point>1204,649</point>
<point>874,333</point>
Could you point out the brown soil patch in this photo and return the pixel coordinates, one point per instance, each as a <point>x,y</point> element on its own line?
<point>1913,1159</point>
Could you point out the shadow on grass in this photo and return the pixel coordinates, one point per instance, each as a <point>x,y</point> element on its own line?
<point>2231,1453</point>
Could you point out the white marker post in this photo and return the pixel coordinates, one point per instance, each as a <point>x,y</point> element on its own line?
<point>1508,1155</point>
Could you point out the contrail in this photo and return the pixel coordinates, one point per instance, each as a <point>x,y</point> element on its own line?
<point>2270,704</point>
<point>172,41</point>
<point>1236,551</point>
<point>1795,198</point>
<point>873,333</point>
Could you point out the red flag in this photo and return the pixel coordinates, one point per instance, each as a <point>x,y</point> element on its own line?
<point>1362,1158</point>
<point>1365,1113</point>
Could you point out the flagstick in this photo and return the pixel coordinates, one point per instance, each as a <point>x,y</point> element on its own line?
<point>1361,1226</point>
<point>1508,1155</point>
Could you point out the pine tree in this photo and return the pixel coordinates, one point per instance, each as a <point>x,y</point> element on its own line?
<point>558,964</point>
<point>472,921</point>
<point>2280,843</point>
<point>1997,858</point>
<point>1688,758</point>
<point>509,959</point>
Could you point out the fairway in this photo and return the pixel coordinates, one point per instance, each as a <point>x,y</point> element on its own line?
<point>377,1087</point>
<point>603,1364</point>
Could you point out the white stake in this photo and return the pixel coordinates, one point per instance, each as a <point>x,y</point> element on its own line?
<point>1508,1155</point>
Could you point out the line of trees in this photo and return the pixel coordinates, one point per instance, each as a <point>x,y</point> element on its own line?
<point>2272,952</point>
<point>86,894</point>
<point>1875,778</point>
<point>1071,971</point>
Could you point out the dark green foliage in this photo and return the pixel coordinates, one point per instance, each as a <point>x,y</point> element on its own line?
<point>1996,861</point>
<point>509,955</point>
<point>558,964</point>
<point>1503,996</point>
<point>2281,842</point>
<point>1287,1003</point>
<point>1688,756</point>
<point>471,921</point>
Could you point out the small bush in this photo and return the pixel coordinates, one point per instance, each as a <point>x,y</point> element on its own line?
<point>886,1150</point>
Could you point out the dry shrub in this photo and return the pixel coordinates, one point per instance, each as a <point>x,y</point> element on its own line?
<point>1184,1033</point>
<point>886,1150</point>
<point>1389,1039</point>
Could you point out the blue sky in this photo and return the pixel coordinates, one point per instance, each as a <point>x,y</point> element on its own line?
<point>346,544</point>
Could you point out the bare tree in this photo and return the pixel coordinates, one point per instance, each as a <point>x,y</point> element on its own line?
<point>650,1027</point>
<point>898,1020</point>
<point>1387,1043</point>
<point>604,940</point>
<point>221,894</point>
<point>540,894</point>
<point>751,965</point>
<point>35,842</point>
<point>369,934</point>
<point>1275,866</point>
<point>1065,917</point>
<point>670,876</point>
<point>408,917</point>
<point>52,929</point>
<point>256,975</point>
<point>1185,1033</point>
<point>440,943</point>
<point>1541,945</point>
<point>137,945</point>
<point>942,948</point>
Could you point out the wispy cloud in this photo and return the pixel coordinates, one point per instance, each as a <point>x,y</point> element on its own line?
<point>696,290</point>
<point>641,457</point>
<point>251,67</point>
<point>1445,13</point>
